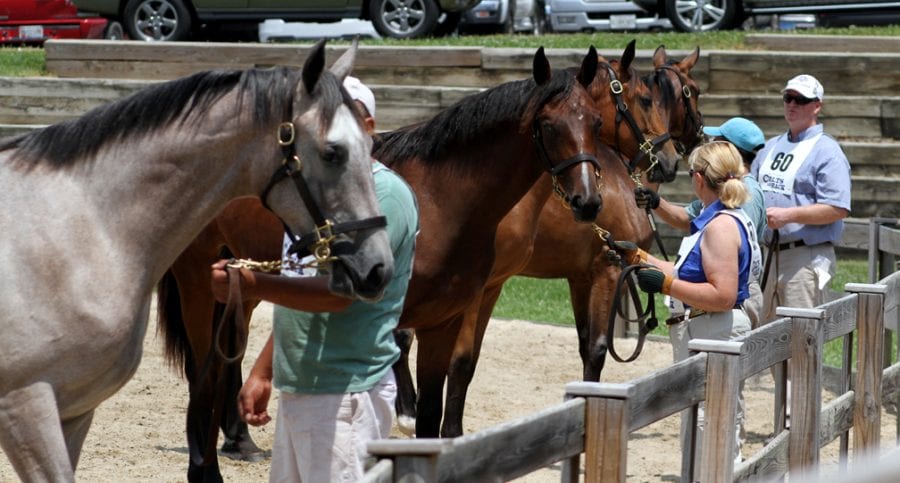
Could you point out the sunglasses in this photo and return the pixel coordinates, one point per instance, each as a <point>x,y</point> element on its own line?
<point>799,100</point>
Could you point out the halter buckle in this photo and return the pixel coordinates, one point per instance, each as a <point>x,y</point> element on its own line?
<point>686,91</point>
<point>324,236</point>
<point>286,128</point>
<point>616,87</point>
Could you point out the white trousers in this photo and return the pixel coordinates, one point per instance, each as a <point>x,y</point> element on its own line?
<point>321,438</point>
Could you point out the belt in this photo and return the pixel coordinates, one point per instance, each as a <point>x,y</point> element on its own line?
<point>787,246</point>
<point>694,314</point>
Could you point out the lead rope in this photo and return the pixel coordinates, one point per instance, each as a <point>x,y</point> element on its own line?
<point>645,324</point>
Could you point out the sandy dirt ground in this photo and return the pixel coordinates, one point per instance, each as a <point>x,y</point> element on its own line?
<point>138,434</point>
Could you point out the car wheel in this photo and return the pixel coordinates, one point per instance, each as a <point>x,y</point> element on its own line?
<point>701,15</point>
<point>404,19</point>
<point>113,31</point>
<point>157,20</point>
<point>448,25</point>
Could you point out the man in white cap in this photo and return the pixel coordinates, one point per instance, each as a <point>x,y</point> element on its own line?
<point>805,178</point>
<point>331,358</point>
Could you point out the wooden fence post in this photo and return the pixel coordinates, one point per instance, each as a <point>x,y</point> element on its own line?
<point>869,363</point>
<point>605,430</point>
<point>723,386</point>
<point>805,374</point>
<point>415,460</point>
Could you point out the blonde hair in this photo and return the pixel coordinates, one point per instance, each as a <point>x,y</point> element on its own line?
<point>722,168</point>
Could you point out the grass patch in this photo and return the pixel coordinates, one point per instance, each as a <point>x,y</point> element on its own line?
<point>22,62</point>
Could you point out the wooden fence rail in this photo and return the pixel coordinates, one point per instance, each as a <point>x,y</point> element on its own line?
<point>597,418</point>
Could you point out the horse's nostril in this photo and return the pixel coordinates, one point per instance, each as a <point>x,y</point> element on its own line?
<point>378,276</point>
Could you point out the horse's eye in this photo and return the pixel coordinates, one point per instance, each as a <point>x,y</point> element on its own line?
<point>646,102</point>
<point>334,153</point>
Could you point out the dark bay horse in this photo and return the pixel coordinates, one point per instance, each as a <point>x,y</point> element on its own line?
<point>632,118</point>
<point>579,254</point>
<point>120,192</point>
<point>468,166</point>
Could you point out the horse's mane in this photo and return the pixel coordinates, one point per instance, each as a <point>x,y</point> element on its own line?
<point>467,123</point>
<point>160,105</point>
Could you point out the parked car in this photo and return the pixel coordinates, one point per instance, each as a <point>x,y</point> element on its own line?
<point>590,15</point>
<point>34,21</point>
<point>155,20</point>
<point>701,15</point>
<point>493,16</point>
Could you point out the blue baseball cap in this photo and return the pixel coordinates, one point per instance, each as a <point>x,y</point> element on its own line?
<point>739,131</point>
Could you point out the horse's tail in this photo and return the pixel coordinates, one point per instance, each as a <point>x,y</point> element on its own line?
<point>170,322</point>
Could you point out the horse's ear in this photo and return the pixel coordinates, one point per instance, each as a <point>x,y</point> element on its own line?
<point>628,55</point>
<point>688,62</point>
<point>344,65</point>
<point>541,67</point>
<point>314,65</point>
<point>588,68</point>
<point>660,57</point>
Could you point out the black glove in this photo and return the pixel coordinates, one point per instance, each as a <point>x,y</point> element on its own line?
<point>652,280</point>
<point>646,198</point>
<point>630,252</point>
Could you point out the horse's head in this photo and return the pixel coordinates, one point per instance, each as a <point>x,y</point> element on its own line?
<point>633,125</point>
<point>564,124</point>
<point>328,164</point>
<point>677,96</point>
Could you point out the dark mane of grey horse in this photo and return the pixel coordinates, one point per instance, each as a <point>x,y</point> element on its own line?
<point>469,123</point>
<point>271,92</point>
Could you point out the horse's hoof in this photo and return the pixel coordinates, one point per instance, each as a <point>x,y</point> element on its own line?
<point>246,451</point>
<point>407,425</point>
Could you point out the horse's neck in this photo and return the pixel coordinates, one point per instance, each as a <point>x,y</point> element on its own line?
<point>157,200</point>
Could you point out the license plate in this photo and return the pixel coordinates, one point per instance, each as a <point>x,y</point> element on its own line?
<point>623,22</point>
<point>31,32</point>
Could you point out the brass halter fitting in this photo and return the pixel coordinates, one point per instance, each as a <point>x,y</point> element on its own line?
<point>322,246</point>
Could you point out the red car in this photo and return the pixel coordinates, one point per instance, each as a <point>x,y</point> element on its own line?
<point>34,21</point>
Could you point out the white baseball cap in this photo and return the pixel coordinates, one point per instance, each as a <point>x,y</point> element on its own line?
<point>807,86</point>
<point>359,92</point>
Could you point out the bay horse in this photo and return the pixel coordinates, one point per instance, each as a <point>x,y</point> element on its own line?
<point>468,166</point>
<point>579,254</point>
<point>93,190</point>
<point>633,114</point>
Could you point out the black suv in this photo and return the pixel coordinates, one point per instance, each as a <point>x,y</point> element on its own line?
<point>155,20</point>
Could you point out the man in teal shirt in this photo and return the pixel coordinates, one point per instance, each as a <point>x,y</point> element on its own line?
<point>329,356</point>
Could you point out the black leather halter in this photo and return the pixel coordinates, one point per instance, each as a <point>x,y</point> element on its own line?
<point>318,242</point>
<point>556,169</point>
<point>645,148</point>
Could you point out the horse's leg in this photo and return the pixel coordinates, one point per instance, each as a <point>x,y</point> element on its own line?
<point>191,271</point>
<point>465,358</point>
<point>406,389</point>
<point>434,349</point>
<point>31,434</point>
<point>602,292</point>
<point>579,292</point>
<point>75,431</point>
<point>238,444</point>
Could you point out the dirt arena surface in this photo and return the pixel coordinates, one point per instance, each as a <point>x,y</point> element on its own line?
<point>138,434</point>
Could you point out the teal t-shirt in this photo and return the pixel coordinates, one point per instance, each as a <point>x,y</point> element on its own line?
<point>350,351</point>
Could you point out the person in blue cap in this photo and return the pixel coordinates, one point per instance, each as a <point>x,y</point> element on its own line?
<point>748,138</point>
